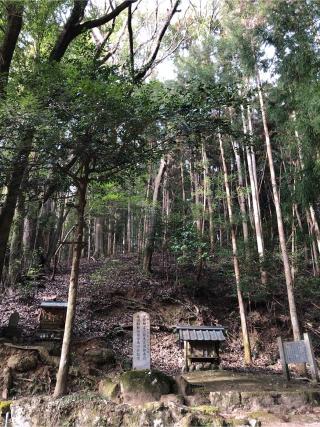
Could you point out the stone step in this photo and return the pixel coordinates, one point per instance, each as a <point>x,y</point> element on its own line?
<point>227,390</point>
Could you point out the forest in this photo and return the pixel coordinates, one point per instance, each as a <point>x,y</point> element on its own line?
<point>158,157</point>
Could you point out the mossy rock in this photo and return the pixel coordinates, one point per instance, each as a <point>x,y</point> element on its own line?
<point>5,406</point>
<point>205,409</point>
<point>109,389</point>
<point>139,387</point>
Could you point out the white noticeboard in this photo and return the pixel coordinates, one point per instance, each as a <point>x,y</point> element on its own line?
<point>141,341</point>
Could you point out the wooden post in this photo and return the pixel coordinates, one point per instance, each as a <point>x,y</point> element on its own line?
<point>185,348</point>
<point>285,369</point>
<point>312,359</point>
<point>7,383</point>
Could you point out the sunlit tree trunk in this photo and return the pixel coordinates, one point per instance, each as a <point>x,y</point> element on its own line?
<point>98,237</point>
<point>150,241</point>
<point>242,310</point>
<point>314,249</point>
<point>281,232</point>
<point>146,210</point>
<point>255,194</point>
<point>62,375</point>
<point>15,260</point>
<point>240,191</point>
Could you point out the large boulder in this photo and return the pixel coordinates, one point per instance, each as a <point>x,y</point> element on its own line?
<point>139,387</point>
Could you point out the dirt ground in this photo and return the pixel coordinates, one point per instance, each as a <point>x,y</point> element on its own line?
<point>110,292</point>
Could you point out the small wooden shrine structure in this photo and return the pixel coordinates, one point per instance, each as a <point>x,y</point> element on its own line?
<point>201,344</point>
<point>52,318</point>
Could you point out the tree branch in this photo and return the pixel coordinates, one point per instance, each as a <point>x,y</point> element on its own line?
<point>143,71</point>
<point>74,28</point>
<point>70,30</point>
<point>88,25</point>
<point>130,32</point>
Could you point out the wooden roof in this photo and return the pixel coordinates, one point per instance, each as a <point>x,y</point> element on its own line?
<point>201,333</point>
<point>54,304</point>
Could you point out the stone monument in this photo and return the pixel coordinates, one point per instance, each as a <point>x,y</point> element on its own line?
<point>141,341</point>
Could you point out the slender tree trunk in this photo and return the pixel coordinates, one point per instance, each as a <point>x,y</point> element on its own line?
<point>312,216</point>
<point>315,226</point>
<point>129,228</point>
<point>62,376</point>
<point>146,216</point>
<point>242,310</point>
<point>240,191</point>
<point>281,232</point>
<point>89,239</point>
<point>255,197</point>
<point>149,247</point>
<point>57,233</point>
<point>208,193</point>
<point>183,191</point>
<point>15,260</point>
<point>197,201</point>
<point>314,249</point>
<point>114,235</point>
<point>109,251</point>
<point>98,237</point>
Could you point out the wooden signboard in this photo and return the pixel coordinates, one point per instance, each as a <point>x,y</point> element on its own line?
<point>298,352</point>
<point>141,341</point>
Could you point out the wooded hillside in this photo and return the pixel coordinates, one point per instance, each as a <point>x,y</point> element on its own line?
<point>207,183</point>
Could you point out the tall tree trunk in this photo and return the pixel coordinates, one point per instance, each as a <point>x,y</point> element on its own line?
<point>98,237</point>
<point>255,196</point>
<point>109,245</point>
<point>9,40</point>
<point>89,239</point>
<point>146,210</point>
<point>62,216</point>
<point>183,191</point>
<point>129,228</point>
<point>242,310</point>
<point>20,162</point>
<point>150,241</point>
<point>208,193</point>
<point>15,260</point>
<point>62,375</point>
<point>240,191</point>
<point>314,249</point>
<point>281,232</point>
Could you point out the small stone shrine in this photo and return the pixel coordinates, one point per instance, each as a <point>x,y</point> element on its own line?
<point>141,341</point>
<point>201,344</point>
<point>52,318</point>
<point>298,352</point>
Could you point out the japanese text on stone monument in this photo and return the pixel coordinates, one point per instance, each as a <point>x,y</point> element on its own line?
<point>141,340</point>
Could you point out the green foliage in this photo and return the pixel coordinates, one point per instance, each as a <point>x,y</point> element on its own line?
<point>188,245</point>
